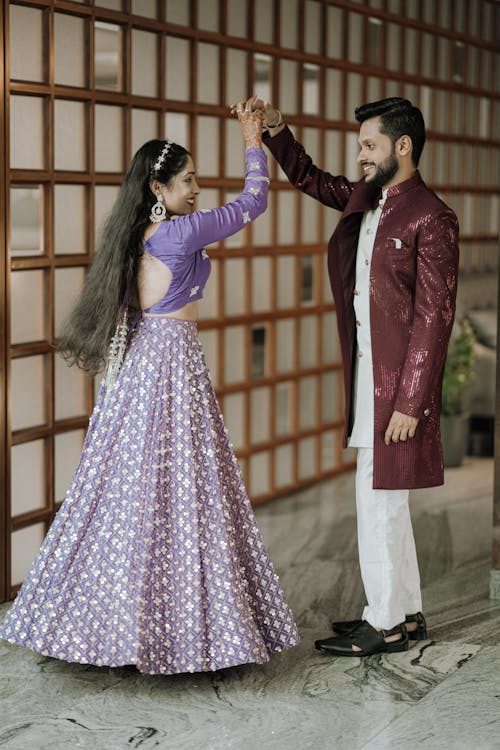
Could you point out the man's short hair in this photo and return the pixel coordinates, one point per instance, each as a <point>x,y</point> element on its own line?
<point>397,117</point>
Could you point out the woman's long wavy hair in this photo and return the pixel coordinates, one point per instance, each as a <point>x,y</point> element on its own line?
<point>88,331</point>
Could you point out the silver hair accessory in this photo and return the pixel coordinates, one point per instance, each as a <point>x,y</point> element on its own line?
<point>164,153</point>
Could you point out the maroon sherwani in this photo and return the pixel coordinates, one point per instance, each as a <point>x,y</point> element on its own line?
<point>412,305</point>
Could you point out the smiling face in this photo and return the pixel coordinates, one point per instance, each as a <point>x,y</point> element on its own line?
<point>180,193</point>
<point>378,157</point>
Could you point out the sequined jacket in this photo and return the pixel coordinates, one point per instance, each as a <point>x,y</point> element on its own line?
<point>413,279</point>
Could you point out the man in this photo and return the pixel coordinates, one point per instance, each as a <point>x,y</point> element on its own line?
<point>393,262</point>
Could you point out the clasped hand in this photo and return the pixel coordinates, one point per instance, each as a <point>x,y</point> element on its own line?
<point>400,427</point>
<point>251,120</point>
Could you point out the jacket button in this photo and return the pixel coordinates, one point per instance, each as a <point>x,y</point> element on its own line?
<point>358,322</point>
<point>426,412</point>
<point>355,292</point>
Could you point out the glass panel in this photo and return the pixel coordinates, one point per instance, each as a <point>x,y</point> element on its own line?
<point>310,219</point>
<point>329,451</point>
<point>144,63</point>
<point>237,239</point>
<point>178,67</point>
<point>70,397</point>
<point>26,33</point>
<point>108,138</point>
<point>307,279</point>
<point>237,17</point>
<point>209,341</point>
<point>308,341</point>
<point>27,477</point>
<point>355,39</point>
<point>207,146</point>
<point>177,129</point>
<point>312,34</point>
<point>284,408</point>
<point>260,473</point>
<point>234,349</point>
<point>263,71</point>
<point>236,75</point>
<point>108,56</point>
<point>261,284</point>
<point>307,457</point>
<point>235,418</point>
<point>285,344</point>
<point>67,449</point>
<point>262,229</point>
<point>104,198</point>
<point>144,8</point>
<point>459,13</point>
<point>354,94</point>
<point>263,20</point>
<point>69,50</point>
<point>334,37</point>
<point>308,400</point>
<point>260,405</point>
<point>111,4</point>
<point>330,338</point>
<point>69,135</point>
<point>413,8</point>
<point>26,544</point>
<point>484,117</point>
<point>443,69</point>
<point>27,392</point>
<point>473,66</point>
<point>410,51</point>
<point>287,211</point>
<point>258,351</point>
<point>26,227</point>
<point>486,69</point>
<point>67,285</point>
<point>28,306</point>
<point>208,68</point>
<point>333,160</point>
<point>288,86</point>
<point>284,461</point>
<point>311,89</point>
<point>288,26</point>
<point>235,286</point>
<point>144,125</point>
<point>374,89</point>
<point>69,219</point>
<point>235,152</point>
<point>178,12</point>
<point>208,15</point>
<point>442,110</point>
<point>330,396</point>
<point>375,48</point>
<point>26,132</point>
<point>209,305</point>
<point>286,281</point>
<point>393,61</point>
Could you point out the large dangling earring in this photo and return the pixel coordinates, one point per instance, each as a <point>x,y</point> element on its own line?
<point>158,211</point>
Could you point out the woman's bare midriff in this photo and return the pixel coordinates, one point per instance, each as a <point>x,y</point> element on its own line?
<point>188,312</point>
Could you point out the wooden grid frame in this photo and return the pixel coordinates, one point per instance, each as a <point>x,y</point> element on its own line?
<point>467,31</point>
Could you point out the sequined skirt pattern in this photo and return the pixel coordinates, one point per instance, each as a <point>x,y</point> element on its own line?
<point>154,558</point>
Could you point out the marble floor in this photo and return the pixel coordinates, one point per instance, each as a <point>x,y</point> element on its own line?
<point>444,694</point>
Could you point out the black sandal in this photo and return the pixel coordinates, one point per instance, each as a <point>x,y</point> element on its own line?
<point>368,639</point>
<point>343,627</point>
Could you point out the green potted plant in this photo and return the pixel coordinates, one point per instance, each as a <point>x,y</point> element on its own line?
<point>458,373</point>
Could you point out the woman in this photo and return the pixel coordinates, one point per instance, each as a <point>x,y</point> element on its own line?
<point>154,558</point>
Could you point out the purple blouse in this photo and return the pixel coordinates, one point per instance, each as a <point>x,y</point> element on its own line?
<point>179,243</point>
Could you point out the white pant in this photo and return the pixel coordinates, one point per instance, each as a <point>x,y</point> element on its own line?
<point>387,554</point>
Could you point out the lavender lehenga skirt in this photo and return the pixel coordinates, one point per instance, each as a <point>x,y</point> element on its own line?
<point>154,558</point>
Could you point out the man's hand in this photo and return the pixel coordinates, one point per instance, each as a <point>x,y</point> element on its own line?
<point>401,427</point>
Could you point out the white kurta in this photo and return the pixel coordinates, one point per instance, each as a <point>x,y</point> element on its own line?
<point>362,431</point>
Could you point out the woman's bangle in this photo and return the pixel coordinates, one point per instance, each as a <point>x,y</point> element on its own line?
<point>277,124</point>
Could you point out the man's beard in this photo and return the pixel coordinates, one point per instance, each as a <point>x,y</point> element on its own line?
<point>386,170</point>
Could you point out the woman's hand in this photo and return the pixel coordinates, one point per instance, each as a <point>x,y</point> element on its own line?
<point>251,121</point>
<point>272,116</point>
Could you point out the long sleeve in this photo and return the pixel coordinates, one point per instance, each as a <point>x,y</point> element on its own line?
<point>303,174</point>
<point>434,310</point>
<point>211,225</point>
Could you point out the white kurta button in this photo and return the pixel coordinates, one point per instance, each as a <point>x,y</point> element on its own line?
<point>367,262</point>
<point>358,322</point>
<point>355,291</point>
<point>360,354</point>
